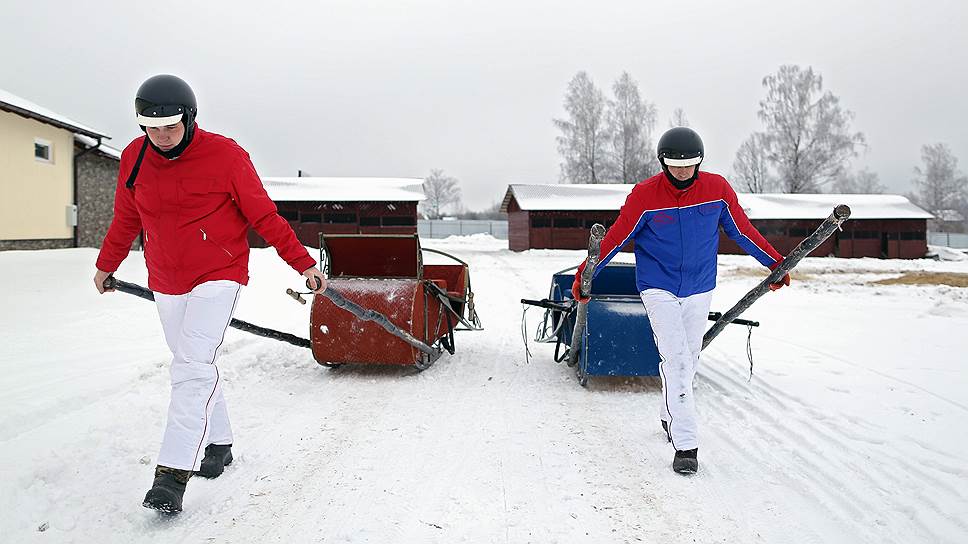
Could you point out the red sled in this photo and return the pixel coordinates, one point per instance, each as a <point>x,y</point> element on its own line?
<point>385,273</point>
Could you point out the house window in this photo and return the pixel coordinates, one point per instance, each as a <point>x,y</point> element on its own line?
<point>43,150</point>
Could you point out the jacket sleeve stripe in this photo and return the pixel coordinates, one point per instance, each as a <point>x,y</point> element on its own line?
<point>604,261</point>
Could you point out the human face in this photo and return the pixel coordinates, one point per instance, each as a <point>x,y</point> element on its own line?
<point>167,137</point>
<point>682,173</point>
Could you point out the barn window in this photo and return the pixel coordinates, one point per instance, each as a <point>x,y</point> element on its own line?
<point>845,235</point>
<point>307,217</point>
<point>912,236</point>
<point>566,222</point>
<point>540,222</point>
<point>398,221</point>
<point>341,218</point>
<point>589,223</point>
<point>289,215</point>
<point>866,235</point>
<point>367,221</point>
<point>799,232</point>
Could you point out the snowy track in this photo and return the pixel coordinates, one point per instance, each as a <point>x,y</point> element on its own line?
<point>857,437</point>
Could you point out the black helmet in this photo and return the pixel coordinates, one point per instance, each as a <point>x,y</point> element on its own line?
<point>165,100</point>
<point>680,146</point>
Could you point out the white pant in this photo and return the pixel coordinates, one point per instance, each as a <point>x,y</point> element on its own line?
<point>678,325</point>
<point>195,325</point>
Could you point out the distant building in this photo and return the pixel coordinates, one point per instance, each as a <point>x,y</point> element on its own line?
<point>344,206</point>
<point>56,178</point>
<point>558,216</point>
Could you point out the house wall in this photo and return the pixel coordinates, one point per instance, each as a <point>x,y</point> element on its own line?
<point>97,177</point>
<point>34,195</point>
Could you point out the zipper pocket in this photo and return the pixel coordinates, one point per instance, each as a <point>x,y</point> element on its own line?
<point>205,237</point>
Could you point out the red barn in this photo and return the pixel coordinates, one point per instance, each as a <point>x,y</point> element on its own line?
<point>344,206</point>
<point>558,217</point>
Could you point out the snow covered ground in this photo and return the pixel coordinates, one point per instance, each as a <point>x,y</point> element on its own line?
<point>853,428</point>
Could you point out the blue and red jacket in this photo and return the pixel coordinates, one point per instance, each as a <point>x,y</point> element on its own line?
<point>676,233</point>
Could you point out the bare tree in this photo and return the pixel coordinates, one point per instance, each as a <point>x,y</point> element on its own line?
<point>441,191</point>
<point>751,170</point>
<point>808,134</point>
<point>863,182</point>
<point>678,119</point>
<point>631,122</point>
<point>583,134</point>
<point>940,187</point>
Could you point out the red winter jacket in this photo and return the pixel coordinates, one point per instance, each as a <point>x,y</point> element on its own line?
<point>195,212</point>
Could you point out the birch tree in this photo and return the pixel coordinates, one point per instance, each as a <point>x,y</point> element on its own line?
<point>863,182</point>
<point>441,191</point>
<point>630,126</point>
<point>751,170</point>
<point>582,142</point>
<point>939,186</point>
<point>809,140</point>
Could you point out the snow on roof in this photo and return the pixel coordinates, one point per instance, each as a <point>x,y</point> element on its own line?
<point>103,148</point>
<point>344,189</point>
<point>21,106</point>
<point>567,197</point>
<point>819,206</point>
<point>580,197</point>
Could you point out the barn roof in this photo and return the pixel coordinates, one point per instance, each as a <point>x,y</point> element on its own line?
<point>311,189</point>
<point>587,197</point>
<point>25,108</point>
<point>567,197</point>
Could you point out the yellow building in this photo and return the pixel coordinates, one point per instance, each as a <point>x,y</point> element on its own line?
<point>38,186</point>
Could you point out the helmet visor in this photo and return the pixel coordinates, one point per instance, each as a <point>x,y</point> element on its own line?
<point>682,162</point>
<point>161,116</point>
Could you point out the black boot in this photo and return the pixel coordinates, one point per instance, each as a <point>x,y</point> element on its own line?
<point>167,490</point>
<point>685,461</point>
<point>665,427</point>
<point>217,457</point>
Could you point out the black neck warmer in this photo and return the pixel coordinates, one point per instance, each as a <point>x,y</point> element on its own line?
<point>676,182</point>
<point>176,151</point>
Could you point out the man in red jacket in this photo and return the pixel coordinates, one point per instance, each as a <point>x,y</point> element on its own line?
<point>194,194</point>
<point>674,218</point>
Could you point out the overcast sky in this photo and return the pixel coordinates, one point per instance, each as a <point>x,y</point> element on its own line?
<point>395,88</point>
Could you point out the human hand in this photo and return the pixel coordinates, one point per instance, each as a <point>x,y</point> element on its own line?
<point>315,281</point>
<point>99,277</point>
<point>782,282</point>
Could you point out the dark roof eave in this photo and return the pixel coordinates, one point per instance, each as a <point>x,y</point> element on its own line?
<point>53,122</point>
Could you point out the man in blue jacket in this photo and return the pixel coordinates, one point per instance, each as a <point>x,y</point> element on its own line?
<point>674,219</point>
